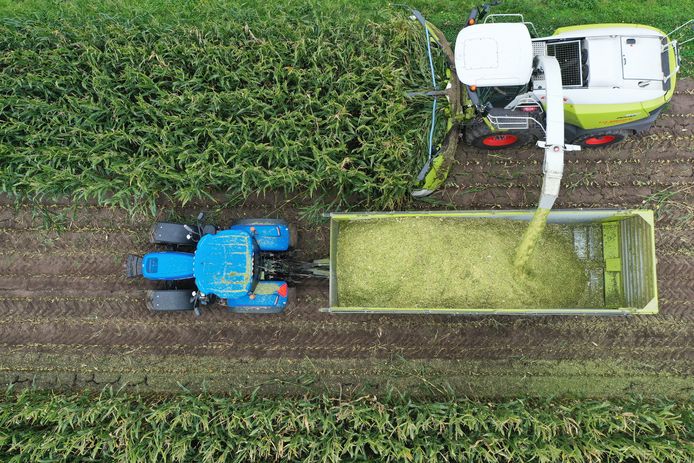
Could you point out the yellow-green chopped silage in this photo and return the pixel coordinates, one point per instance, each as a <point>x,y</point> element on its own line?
<point>432,262</point>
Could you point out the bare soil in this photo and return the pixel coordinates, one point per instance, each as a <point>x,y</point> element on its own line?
<point>64,296</point>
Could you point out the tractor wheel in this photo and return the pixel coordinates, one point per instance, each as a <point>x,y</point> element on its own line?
<point>291,299</point>
<point>260,222</point>
<point>481,136</point>
<point>293,233</point>
<point>602,138</point>
<point>293,236</point>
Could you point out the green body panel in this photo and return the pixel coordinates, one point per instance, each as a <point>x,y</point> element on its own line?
<point>580,27</point>
<point>627,247</point>
<point>613,264</point>
<point>445,155</point>
<point>597,116</point>
<point>436,175</point>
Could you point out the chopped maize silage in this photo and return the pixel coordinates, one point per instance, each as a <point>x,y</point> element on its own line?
<point>432,262</point>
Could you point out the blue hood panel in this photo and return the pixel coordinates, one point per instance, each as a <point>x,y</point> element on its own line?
<point>223,264</point>
<point>167,265</point>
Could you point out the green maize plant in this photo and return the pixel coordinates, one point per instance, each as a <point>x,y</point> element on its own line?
<point>42,426</point>
<point>128,109</point>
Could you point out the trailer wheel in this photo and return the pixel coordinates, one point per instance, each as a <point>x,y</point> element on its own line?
<point>481,136</point>
<point>602,138</point>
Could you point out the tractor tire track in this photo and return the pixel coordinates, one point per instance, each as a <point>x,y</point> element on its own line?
<point>48,282</point>
<point>612,333</point>
<point>47,241</point>
<point>587,352</point>
<point>674,240</point>
<point>60,264</point>
<point>675,271</point>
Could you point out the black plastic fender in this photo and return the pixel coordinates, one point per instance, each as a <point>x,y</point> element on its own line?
<point>173,300</point>
<point>170,233</point>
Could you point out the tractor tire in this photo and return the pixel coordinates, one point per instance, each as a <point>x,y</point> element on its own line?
<point>257,310</point>
<point>173,234</point>
<point>599,139</point>
<point>174,300</point>
<point>481,136</point>
<point>260,222</point>
<point>293,236</point>
<point>291,298</point>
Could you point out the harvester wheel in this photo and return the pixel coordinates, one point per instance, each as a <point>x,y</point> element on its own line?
<point>602,138</point>
<point>481,136</point>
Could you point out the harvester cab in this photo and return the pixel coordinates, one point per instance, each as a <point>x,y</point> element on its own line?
<point>613,81</point>
<point>205,264</point>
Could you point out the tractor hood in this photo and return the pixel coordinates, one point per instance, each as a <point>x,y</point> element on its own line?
<point>223,264</point>
<point>488,55</point>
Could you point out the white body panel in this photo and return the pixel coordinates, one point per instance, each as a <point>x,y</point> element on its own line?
<point>553,165</point>
<point>604,61</point>
<point>623,63</point>
<point>639,54</point>
<point>489,55</point>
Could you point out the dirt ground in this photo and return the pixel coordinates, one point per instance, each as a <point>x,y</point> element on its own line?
<point>68,315</point>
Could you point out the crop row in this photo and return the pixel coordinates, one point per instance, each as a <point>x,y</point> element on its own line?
<point>128,111</point>
<point>46,426</point>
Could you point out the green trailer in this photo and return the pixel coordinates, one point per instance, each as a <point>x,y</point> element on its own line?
<point>590,262</point>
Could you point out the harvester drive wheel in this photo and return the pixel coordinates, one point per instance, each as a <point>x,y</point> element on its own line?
<point>602,138</point>
<point>481,136</point>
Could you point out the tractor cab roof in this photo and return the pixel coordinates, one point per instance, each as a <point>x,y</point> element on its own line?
<point>223,264</point>
<point>491,55</point>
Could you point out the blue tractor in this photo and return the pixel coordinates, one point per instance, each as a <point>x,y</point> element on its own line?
<point>241,267</point>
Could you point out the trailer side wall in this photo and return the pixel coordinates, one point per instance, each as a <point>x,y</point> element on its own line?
<point>636,267</point>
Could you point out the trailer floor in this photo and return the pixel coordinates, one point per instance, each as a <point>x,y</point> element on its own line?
<point>69,318</point>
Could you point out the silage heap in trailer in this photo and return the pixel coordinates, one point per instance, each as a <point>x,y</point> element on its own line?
<point>587,262</point>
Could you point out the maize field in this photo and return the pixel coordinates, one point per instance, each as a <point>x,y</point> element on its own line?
<point>184,428</point>
<point>129,111</point>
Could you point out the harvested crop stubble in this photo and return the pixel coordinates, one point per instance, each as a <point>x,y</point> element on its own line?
<point>126,110</point>
<point>455,263</point>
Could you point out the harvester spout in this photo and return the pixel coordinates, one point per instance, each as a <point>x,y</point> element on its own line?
<point>553,166</point>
